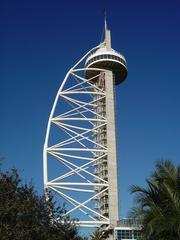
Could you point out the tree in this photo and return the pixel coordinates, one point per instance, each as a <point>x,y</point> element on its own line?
<point>99,234</point>
<point>24,215</point>
<point>158,205</point>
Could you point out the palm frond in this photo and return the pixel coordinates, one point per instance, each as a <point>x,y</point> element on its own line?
<point>158,204</point>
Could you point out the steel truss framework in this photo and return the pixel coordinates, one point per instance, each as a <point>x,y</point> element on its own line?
<point>76,143</point>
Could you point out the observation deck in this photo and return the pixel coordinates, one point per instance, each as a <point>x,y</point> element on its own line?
<point>108,59</point>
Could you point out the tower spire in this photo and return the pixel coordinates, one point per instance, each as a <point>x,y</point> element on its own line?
<point>107,33</point>
<point>105,22</point>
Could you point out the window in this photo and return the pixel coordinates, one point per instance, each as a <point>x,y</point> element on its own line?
<point>128,234</point>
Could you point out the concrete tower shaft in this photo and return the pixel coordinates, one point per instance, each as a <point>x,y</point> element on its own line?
<point>115,71</point>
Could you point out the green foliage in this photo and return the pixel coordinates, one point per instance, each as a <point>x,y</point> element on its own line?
<point>158,205</point>
<point>26,216</point>
<point>99,234</point>
<point>85,238</point>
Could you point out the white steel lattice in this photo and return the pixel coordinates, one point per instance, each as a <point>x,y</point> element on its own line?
<point>75,149</point>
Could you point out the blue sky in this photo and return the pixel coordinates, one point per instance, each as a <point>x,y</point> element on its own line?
<point>41,40</point>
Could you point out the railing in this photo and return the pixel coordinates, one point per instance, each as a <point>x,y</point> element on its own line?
<point>129,222</point>
<point>107,56</point>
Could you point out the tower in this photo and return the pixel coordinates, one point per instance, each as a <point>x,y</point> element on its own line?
<point>80,162</point>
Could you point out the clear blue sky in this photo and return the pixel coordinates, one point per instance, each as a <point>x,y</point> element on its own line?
<point>41,40</point>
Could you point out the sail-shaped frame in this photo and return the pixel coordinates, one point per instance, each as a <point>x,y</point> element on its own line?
<point>75,150</point>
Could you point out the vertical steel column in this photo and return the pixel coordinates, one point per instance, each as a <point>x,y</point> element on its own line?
<point>100,166</point>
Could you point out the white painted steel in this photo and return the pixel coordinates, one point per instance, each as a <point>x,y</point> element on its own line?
<point>78,150</point>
